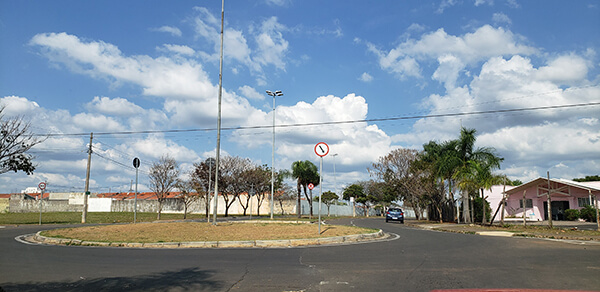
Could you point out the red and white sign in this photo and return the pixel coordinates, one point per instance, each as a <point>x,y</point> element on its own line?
<point>321,149</point>
<point>311,186</point>
<point>42,186</point>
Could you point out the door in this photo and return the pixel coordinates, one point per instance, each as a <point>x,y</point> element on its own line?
<point>558,210</point>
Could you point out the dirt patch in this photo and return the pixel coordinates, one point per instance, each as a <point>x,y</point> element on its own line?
<point>196,231</point>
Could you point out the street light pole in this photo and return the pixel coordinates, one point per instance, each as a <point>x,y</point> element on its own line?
<point>273,94</point>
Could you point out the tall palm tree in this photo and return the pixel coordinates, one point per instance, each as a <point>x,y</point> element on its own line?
<point>305,172</point>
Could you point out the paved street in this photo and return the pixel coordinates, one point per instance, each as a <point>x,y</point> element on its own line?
<point>416,260</point>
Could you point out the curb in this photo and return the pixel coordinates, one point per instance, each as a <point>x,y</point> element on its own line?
<point>285,243</point>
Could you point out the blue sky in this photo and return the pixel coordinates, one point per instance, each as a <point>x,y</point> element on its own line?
<point>106,67</point>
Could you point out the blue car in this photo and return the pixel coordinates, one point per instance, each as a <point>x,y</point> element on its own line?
<point>395,214</point>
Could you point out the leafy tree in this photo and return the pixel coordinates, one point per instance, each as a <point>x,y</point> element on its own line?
<point>305,172</point>
<point>163,177</point>
<point>258,179</point>
<point>15,141</point>
<point>588,178</point>
<point>400,179</point>
<point>328,198</point>
<point>234,184</point>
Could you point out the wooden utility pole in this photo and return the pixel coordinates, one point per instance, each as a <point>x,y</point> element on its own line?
<point>549,202</point>
<point>87,182</point>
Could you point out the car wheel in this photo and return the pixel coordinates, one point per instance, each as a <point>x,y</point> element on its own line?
<point>402,221</point>
<point>386,221</point>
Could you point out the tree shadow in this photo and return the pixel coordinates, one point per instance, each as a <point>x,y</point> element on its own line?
<point>192,279</point>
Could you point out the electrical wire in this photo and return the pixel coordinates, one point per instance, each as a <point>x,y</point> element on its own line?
<point>413,117</point>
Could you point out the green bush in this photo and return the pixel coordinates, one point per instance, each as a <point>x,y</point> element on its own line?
<point>572,214</point>
<point>588,213</point>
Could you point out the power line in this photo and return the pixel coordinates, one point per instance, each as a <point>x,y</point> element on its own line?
<point>413,117</point>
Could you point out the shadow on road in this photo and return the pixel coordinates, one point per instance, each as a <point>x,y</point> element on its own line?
<point>192,279</point>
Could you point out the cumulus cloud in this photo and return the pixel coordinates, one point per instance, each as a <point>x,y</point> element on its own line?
<point>470,48</point>
<point>358,143</point>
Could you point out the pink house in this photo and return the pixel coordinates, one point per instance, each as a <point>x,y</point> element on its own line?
<point>564,194</point>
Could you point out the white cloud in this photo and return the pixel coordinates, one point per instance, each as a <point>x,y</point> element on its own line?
<point>501,18</point>
<point>177,49</point>
<point>272,47</point>
<point>365,77</point>
<point>356,143</point>
<point>251,93</point>
<point>157,76</point>
<point>17,106</point>
<point>471,48</point>
<point>115,106</point>
<point>168,29</point>
<point>482,2</point>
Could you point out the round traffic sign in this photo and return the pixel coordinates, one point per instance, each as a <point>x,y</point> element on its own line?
<point>321,149</point>
<point>136,162</point>
<point>42,186</point>
<point>311,186</point>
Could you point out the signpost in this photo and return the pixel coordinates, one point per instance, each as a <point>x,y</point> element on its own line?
<point>321,149</point>
<point>42,187</point>
<point>136,164</point>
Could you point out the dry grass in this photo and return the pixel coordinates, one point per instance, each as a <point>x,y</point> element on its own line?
<point>195,231</point>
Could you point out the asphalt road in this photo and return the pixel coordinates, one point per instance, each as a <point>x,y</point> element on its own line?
<point>416,260</point>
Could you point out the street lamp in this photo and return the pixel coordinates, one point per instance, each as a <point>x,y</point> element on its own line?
<point>273,94</point>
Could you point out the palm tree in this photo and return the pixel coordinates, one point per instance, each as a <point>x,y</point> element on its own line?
<point>305,172</point>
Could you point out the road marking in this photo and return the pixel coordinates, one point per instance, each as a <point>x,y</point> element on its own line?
<point>21,239</point>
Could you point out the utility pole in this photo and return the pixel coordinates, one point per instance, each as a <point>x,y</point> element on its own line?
<point>87,181</point>
<point>218,149</point>
<point>549,202</point>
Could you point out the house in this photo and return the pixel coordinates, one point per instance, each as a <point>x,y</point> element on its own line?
<point>564,194</point>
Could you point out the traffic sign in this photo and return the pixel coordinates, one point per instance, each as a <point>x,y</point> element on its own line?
<point>42,186</point>
<point>136,162</point>
<point>311,186</point>
<point>321,149</point>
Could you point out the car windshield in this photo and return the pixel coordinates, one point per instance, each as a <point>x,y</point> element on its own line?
<point>395,210</point>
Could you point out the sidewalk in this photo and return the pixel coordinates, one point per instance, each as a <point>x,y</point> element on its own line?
<point>567,230</point>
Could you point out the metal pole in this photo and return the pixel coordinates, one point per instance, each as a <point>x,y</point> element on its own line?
<point>209,185</point>
<point>135,198</point>
<point>273,159</point>
<point>218,150</point>
<point>320,190</point>
<point>41,199</point>
<point>87,182</point>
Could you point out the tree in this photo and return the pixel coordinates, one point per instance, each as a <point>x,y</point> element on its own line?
<point>258,179</point>
<point>305,172</point>
<point>202,179</point>
<point>187,196</point>
<point>329,198</point>
<point>163,177</point>
<point>588,178</point>
<point>284,193</point>
<point>232,170</point>
<point>15,141</point>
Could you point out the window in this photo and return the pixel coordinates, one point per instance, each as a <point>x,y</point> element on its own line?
<point>582,202</point>
<point>528,203</point>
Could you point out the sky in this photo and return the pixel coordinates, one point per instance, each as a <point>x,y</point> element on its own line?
<point>143,76</point>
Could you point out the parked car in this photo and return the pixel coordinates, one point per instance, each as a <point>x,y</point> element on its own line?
<point>395,214</point>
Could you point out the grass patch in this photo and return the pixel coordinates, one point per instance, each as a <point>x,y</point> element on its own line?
<point>196,231</point>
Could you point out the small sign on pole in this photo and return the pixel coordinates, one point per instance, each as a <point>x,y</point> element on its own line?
<point>311,186</point>
<point>321,149</point>
<point>42,187</point>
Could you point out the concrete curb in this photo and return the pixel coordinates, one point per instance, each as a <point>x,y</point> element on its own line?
<point>286,243</point>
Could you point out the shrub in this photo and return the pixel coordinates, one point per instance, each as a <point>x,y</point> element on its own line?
<point>588,213</point>
<point>572,214</point>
